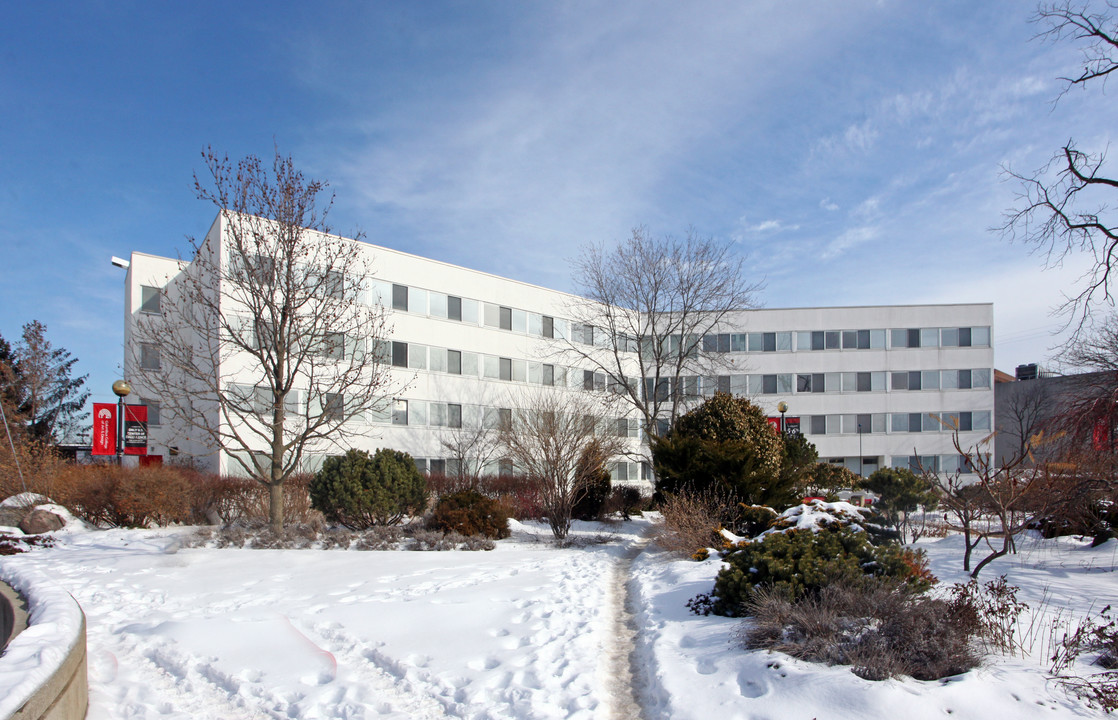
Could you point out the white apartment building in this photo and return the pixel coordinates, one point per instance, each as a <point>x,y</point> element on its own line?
<point>867,385</point>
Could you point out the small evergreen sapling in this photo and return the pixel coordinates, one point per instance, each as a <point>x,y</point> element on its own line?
<point>360,490</point>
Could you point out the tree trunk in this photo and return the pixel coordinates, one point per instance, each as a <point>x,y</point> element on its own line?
<point>275,506</point>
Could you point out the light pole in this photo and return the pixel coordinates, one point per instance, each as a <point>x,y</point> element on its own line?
<point>122,389</point>
<point>783,408</point>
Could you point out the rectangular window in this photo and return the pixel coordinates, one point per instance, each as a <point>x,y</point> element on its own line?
<point>898,338</point>
<point>863,339</point>
<point>980,336</point>
<point>915,422</point>
<point>832,338</point>
<point>519,321</point>
<point>400,297</point>
<point>980,378</point>
<point>964,379</point>
<point>520,371</point>
<point>149,356</point>
<point>438,303</point>
<point>548,375</point>
<point>149,299</point>
<point>865,423</point>
<point>153,410</point>
<point>864,382</point>
<point>899,381</point>
<point>506,368</point>
<point>454,308</point>
<point>724,342</point>
<point>929,337</point>
<point>399,354</point>
<point>454,362</point>
<point>818,424</point>
<point>803,383</point>
<point>877,339</point>
<point>710,343</point>
<point>470,364</point>
<point>966,421</point>
<point>784,342</point>
<point>548,326</point>
<point>817,340</point>
<point>964,337</point>
<point>768,384</point>
<point>770,342</point>
<point>913,338</point>
<point>849,382</point>
<point>505,318</point>
<point>333,407</point>
<point>587,379</point>
<point>400,412</point>
<point>929,379</point>
<point>756,342</point>
<point>849,339</point>
<point>454,415</point>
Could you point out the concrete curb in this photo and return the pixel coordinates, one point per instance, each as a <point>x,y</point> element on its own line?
<point>13,614</point>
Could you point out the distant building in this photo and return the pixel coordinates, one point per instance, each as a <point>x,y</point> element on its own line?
<point>871,386</point>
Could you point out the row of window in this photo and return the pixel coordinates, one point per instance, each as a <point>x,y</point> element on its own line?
<point>876,423</point>
<point>620,471</point>
<point>847,382</point>
<point>813,340</point>
<point>866,466</point>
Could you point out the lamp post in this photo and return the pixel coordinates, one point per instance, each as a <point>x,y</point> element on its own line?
<point>121,388</point>
<point>783,408</point>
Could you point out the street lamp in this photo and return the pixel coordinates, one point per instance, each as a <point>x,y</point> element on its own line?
<point>121,388</point>
<point>783,408</point>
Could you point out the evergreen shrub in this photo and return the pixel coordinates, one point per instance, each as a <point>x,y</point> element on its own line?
<point>360,490</point>
<point>801,562</point>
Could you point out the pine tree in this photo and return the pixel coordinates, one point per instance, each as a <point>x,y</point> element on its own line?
<point>38,380</point>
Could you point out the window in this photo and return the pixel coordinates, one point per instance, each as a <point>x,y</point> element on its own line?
<point>399,354</point>
<point>818,425</point>
<point>863,382</point>
<point>400,412</point>
<point>333,346</point>
<point>454,308</point>
<point>149,299</point>
<point>153,410</point>
<point>505,368</point>
<point>454,415</point>
<point>333,283</point>
<point>400,297</point>
<point>548,375</point>
<point>333,407</point>
<point>768,384</point>
<point>505,318</point>
<point>964,379</point>
<point>438,466</point>
<point>548,330</point>
<point>831,338</point>
<point>149,356</point>
<point>417,356</point>
<point>454,362</point>
<point>817,340</point>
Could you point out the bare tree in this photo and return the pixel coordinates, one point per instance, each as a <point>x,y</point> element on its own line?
<point>1097,347</point>
<point>263,345</point>
<point>471,450</point>
<point>1064,206</point>
<point>559,439</point>
<point>1008,496</point>
<point>1021,417</point>
<point>650,307</point>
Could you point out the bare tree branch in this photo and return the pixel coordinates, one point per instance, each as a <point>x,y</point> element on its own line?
<point>265,344</point>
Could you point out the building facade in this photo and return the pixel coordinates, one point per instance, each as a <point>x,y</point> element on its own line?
<point>870,386</point>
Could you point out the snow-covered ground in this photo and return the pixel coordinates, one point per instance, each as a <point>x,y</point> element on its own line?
<point>525,631</point>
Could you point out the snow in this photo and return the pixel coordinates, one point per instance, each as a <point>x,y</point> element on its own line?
<point>54,620</point>
<point>525,631</point>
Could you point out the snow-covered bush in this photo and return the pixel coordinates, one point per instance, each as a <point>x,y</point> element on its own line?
<point>808,548</point>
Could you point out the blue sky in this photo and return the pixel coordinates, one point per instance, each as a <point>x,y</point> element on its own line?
<point>852,151</point>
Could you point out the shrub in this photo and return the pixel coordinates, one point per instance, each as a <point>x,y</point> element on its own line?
<point>470,513</point>
<point>1096,635</point>
<point>752,520</point>
<point>359,490</point>
<point>725,445</point>
<point>626,501</point>
<point>126,497</point>
<point>596,487</point>
<point>901,493</point>
<point>881,626</point>
<point>517,493</point>
<point>692,521</point>
<point>799,562</point>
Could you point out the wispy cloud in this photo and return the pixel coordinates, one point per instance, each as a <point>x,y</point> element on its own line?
<point>849,240</point>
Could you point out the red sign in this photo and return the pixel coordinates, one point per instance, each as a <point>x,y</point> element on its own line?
<point>104,428</point>
<point>135,429</point>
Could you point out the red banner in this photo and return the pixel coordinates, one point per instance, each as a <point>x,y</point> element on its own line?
<point>104,428</point>
<point>135,429</point>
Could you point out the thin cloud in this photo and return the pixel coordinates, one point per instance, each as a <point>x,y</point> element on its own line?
<point>849,240</point>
